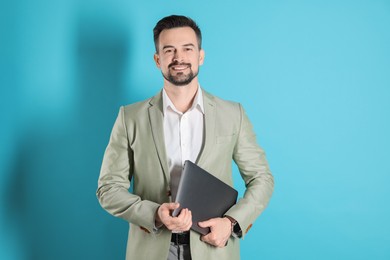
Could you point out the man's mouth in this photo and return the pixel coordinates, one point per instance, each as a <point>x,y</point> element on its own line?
<point>179,67</point>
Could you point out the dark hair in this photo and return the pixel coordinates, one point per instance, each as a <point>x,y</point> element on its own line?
<point>176,21</point>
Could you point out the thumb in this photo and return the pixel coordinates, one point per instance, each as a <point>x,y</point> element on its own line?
<point>207,223</point>
<point>168,207</point>
<point>174,205</point>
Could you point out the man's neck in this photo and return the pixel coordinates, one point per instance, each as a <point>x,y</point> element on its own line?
<point>182,96</point>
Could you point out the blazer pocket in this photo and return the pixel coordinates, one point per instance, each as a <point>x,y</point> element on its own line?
<point>225,138</point>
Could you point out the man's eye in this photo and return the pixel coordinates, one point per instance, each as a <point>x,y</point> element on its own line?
<point>168,51</point>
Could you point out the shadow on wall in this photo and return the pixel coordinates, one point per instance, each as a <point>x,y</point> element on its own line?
<point>51,199</point>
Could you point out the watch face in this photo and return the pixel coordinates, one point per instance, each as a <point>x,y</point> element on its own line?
<point>237,229</point>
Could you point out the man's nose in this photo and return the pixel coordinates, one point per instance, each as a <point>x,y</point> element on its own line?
<point>178,56</point>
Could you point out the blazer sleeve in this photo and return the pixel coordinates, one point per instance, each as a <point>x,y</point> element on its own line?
<point>114,181</point>
<point>252,164</point>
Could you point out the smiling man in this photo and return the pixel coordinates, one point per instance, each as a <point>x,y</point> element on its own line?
<point>178,54</point>
<point>150,142</point>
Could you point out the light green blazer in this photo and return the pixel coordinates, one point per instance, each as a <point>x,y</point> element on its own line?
<point>136,152</point>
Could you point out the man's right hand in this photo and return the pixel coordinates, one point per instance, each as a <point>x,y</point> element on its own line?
<point>181,223</point>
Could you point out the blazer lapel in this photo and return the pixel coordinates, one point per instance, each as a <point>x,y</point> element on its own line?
<point>209,127</point>
<point>157,127</point>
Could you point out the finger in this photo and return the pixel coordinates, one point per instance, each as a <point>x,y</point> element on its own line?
<point>185,219</point>
<point>189,216</point>
<point>187,226</point>
<point>184,223</point>
<point>207,239</point>
<point>182,215</point>
<point>185,215</point>
<point>189,219</point>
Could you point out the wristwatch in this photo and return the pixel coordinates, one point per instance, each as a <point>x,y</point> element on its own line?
<point>236,229</point>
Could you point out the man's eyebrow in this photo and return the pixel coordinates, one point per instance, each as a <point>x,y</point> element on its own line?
<point>167,46</point>
<point>184,45</point>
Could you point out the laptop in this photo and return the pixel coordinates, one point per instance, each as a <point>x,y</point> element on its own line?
<point>204,194</point>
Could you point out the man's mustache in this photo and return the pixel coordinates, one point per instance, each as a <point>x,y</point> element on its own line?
<point>179,64</point>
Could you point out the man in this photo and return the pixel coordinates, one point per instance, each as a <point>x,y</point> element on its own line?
<point>150,142</point>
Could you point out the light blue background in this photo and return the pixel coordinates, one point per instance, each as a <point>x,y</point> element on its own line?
<point>314,77</point>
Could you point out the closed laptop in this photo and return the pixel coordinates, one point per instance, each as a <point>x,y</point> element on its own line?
<point>205,195</point>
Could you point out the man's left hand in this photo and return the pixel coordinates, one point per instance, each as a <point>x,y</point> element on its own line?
<point>220,231</point>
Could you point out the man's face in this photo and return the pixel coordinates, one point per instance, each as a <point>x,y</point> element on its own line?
<point>178,55</point>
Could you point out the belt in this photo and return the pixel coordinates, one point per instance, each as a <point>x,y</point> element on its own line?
<point>181,238</point>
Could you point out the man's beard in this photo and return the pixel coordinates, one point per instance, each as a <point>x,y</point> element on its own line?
<point>180,79</point>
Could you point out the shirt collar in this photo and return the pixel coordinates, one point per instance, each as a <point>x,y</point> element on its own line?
<point>197,103</point>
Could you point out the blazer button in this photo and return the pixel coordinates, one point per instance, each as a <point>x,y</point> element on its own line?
<point>144,229</point>
<point>249,227</point>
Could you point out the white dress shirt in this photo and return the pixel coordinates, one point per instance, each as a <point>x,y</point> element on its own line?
<point>183,133</point>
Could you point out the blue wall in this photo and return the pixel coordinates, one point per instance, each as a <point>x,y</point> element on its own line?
<point>314,77</point>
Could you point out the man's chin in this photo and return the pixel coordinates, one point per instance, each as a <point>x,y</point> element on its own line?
<point>180,79</point>
<point>179,82</point>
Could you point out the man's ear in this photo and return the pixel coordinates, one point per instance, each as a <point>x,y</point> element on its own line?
<point>156,58</point>
<point>201,56</point>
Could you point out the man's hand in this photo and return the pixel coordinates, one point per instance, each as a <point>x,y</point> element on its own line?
<point>181,223</point>
<point>220,231</point>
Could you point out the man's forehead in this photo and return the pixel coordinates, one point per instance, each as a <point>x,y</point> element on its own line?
<point>178,36</point>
